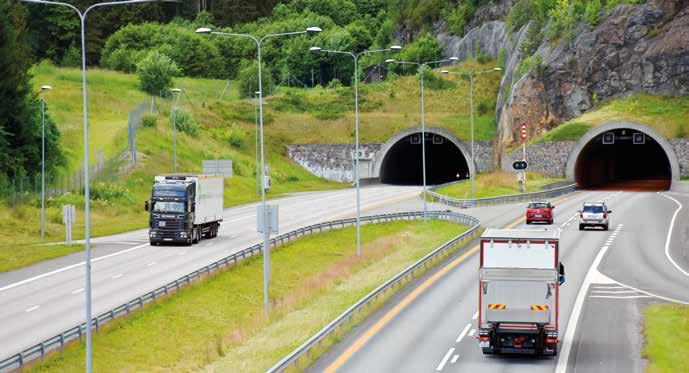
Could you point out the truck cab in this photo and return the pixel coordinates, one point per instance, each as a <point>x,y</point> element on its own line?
<point>519,283</point>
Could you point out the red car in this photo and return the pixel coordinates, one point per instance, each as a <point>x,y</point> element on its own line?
<point>539,211</point>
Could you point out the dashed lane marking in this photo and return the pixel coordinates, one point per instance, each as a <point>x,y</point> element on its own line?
<point>444,360</point>
<point>117,276</point>
<point>32,308</point>
<point>463,333</point>
<point>78,291</point>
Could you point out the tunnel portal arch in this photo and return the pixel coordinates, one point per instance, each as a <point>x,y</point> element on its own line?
<point>446,157</point>
<point>595,161</point>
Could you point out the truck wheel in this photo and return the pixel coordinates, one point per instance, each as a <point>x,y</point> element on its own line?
<point>216,227</point>
<point>550,221</point>
<point>605,227</point>
<point>581,227</point>
<point>195,235</point>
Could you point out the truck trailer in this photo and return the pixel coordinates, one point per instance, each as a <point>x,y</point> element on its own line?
<point>519,284</point>
<point>184,208</point>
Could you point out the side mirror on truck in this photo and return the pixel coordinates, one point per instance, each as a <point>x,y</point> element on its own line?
<point>561,275</point>
<point>147,206</point>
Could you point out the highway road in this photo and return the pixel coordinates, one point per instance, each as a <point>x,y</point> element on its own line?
<point>42,300</point>
<point>611,276</point>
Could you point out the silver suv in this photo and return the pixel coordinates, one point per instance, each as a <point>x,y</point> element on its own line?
<point>594,214</point>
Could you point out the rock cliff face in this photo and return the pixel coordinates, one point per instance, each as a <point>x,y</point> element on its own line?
<point>636,48</point>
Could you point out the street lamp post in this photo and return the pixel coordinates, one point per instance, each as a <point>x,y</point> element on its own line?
<point>176,94</point>
<point>87,204</point>
<point>421,66</point>
<point>258,182</point>
<point>471,76</point>
<point>43,90</point>
<point>266,231</point>
<point>355,57</point>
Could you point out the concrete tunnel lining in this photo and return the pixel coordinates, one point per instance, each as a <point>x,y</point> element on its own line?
<point>392,141</point>
<point>581,146</point>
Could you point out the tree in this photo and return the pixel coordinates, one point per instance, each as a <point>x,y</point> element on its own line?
<point>20,114</point>
<point>248,80</point>
<point>156,72</point>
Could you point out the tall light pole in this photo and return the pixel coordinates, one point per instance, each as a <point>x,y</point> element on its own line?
<point>421,66</point>
<point>87,204</point>
<point>471,76</point>
<point>44,89</point>
<point>266,231</point>
<point>176,94</point>
<point>355,57</point>
<point>258,182</point>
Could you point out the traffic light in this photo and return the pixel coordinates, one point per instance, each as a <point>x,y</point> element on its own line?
<point>520,165</point>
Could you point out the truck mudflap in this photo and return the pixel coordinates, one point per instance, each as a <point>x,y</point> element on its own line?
<point>517,340</point>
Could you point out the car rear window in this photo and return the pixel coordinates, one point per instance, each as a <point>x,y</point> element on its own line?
<point>538,205</point>
<point>593,209</point>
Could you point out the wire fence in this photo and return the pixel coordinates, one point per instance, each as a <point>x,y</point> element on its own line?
<point>348,316</point>
<point>58,342</point>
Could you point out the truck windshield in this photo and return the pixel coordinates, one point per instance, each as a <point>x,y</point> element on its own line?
<point>594,209</point>
<point>169,207</point>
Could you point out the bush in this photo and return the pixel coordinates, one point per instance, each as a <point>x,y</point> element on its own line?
<point>110,192</point>
<point>236,139</point>
<point>434,82</point>
<point>156,72</point>
<point>482,108</point>
<point>248,79</point>
<point>149,121</point>
<point>593,12</point>
<point>483,58</point>
<point>123,59</point>
<point>186,123</point>
<point>72,57</point>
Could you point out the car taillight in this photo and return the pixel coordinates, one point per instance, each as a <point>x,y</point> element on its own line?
<point>551,340</point>
<point>605,216</point>
<point>484,338</point>
<point>581,215</point>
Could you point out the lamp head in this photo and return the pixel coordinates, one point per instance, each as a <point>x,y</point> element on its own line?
<point>176,90</point>
<point>453,59</point>
<point>314,30</point>
<point>315,49</point>
<point>203,30</point>
<point>497,69</point>
<point>46,88</point>
<point>390,60</point>
<point>444,72</point>
<point>395,48</point>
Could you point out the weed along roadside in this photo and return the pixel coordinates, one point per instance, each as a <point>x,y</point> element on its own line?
<point>665,351</point>
<point>218,323</point>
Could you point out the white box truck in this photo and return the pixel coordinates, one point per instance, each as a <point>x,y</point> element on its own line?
<point>519,284</point>
<point>184,208</point>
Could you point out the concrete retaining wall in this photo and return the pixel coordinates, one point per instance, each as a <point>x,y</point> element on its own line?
<point>332,161</point>
<point>681,147</point>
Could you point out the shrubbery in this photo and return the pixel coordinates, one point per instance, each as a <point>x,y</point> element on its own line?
<point>156,72</point>
<point>149,121</point>
<point>186,123</point>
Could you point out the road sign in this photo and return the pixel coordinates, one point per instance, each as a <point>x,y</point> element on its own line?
<point>520,165</point>
<point>272,223</point>
<point>522,130</point>
<point>639,138</point>
<point>609,138</point>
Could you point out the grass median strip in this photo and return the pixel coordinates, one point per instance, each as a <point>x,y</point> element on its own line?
<point>666,334</point>
<point>219,323</point>
<point>497,183</point>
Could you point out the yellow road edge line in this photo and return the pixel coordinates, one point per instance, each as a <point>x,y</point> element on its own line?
<point>380,324</point>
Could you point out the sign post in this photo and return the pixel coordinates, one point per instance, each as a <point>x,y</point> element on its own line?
<point>522,176</point>
<point>69,215</point>
<point>267,223</point>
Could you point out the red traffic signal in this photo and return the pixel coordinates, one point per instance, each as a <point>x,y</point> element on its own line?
<point>522,129</point>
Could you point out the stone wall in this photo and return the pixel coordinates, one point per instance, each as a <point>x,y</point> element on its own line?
<point>484,156</point>
<point>681,147</point>
<point>549,158</point>
<point>330,161</point>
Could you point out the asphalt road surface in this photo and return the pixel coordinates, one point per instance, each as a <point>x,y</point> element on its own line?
<point>45,299</point>
<point>611,276</point>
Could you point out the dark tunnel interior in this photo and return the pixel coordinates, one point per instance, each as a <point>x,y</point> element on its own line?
<point>623,158</point>
<point>444,161</point>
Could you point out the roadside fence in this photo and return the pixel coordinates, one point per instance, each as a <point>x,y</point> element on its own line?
<point>58,342</point>
<point>499,200</point>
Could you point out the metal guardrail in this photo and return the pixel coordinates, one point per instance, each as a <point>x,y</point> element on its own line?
<point>40,350</point>
<point>499,200</point>
<point>347,316</point>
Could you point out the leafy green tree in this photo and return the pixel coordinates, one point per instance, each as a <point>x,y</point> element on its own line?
<point>248,80</point>
<point>72,57</point>
<point>20,109</point>
<point>593,12</point>
<point>425,48</point>
<point>156,72</point>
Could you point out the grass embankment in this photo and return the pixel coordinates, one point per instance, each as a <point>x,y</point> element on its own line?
<point>17,256</point>
<point>667,115</point>
<point>496,183</point>
<point>666,334</point>
<point>220,320</point>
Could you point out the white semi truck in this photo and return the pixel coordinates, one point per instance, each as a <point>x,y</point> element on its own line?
<point>519,284</point>
<point>184,208</point>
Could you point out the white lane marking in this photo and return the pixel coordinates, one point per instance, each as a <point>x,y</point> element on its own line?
<point>151,264</point>
<point>181,253</point>
<point>606,287</point>
<point>463,333</point>
<point>471,333</point>
<point>444,361</point>
<point>576,312</point>
<point>613,291</point>
<point>234,236</point>
<point>32,308</point>
<point>669,235</point>
<point>117,276</point>
<point>475,316</point>
<point>209,244</point>
<point>234,220</point>
<point>653,295</point>
<point>68,268</point>
<point>78,291</point>
<point>454,359</point>
<point>620,297</point>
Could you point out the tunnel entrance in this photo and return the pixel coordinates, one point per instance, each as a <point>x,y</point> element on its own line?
<point>402,164</point>
<point>623,158</point>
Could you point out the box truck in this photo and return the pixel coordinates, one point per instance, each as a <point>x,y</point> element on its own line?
<point>184,208</point>
<point>519,284</point>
